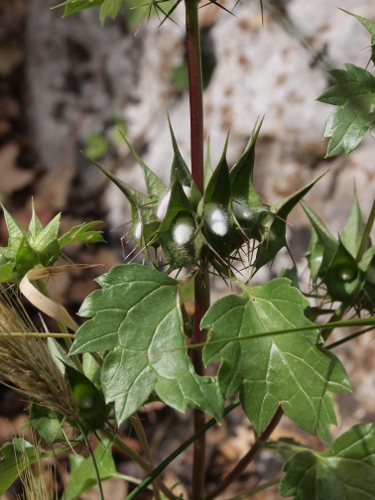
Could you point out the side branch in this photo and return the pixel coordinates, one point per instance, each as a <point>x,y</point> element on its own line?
<point>249,457</point>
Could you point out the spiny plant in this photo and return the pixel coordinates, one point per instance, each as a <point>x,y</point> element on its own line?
<point>139,345</point>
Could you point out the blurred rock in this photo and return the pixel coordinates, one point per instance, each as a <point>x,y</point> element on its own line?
<point>80,76</point>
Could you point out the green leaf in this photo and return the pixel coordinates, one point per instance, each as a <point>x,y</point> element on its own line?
<point>155,188</point>
<point>273,226</point>
<point>81,233</point>
<point>27,258</point>
<point>48,234</point>
<point>73,6</point>
<point>322,246</point>
<point>6,272</point>
<point>291,274</point>
<point>286,369</point>
<point>35,226</point>
<point>15,230</point>
<point>142,207</point>
<point>27,250</point>
<point>47,422</point>
<point>370,26</point>
<point>346,472</point>
<point>178,230</point>
<point>82,472</point>
<point>180,168</point>
<point>217,209</point>
<point>96,145</point>
<point>8,253</point>
<point>241,175</point>
<point>246,204</point>
<point>207,174</point>
<point>347,125</point>
<point>367,266</point>
<point>90,367</point>
<point>110,9</point>
<point>351,237</point>
<point>89,400</point>
<point>59,355</point>
<point>41,250</point>
<point>16,456</point>
<point>343,277</point>
<point>138,311</point>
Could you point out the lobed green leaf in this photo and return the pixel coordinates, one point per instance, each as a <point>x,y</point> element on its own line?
<point>138,312</point>
<point>347,125</point>
<point>289,370</point>
<point>346,472</point>
<point>81,233</point>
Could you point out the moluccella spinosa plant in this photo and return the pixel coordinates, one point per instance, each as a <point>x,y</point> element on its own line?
<point>139,345</point>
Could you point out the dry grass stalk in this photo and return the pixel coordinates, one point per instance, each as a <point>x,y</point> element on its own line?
<point>39,483</point>
<point>27,362</point>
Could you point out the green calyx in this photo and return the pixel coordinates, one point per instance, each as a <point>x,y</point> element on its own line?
<point>189,227</point>
<point>89,400</point>
<point>343,268</point>
<point>38,246</point>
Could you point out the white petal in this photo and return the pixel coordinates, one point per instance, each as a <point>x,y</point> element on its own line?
<point>183,230</point>
<point>163,206</point>
<point>217,218</point>
<point>241,210</point>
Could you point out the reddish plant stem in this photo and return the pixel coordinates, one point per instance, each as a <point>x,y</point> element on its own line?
<point>202,292</point>
<point>202,303</point>
<point>194,62</point>
<point>249,457</point>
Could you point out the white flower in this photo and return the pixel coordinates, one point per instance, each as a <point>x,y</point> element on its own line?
<point>217,218</point>
<point>163,206</point>
<point>183,230</point>
<point>138,230</point>
<point>241,210</point>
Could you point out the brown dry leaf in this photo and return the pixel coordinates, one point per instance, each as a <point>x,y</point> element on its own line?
<point>6,431</point>
<point>43,303</point>
<point>9,108</point>
<point>236,447</point>
<point>12,177</point>
<point>268,494</point>
<point>5,127</point>
<point>11,55</point>
<point>54,188</point>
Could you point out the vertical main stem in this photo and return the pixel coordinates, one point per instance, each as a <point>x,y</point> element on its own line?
<point>202,303</point>
<point>202,292</point>
<point>194,62</point>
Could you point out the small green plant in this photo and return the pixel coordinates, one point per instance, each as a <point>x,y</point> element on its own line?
<point>271,341</point>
